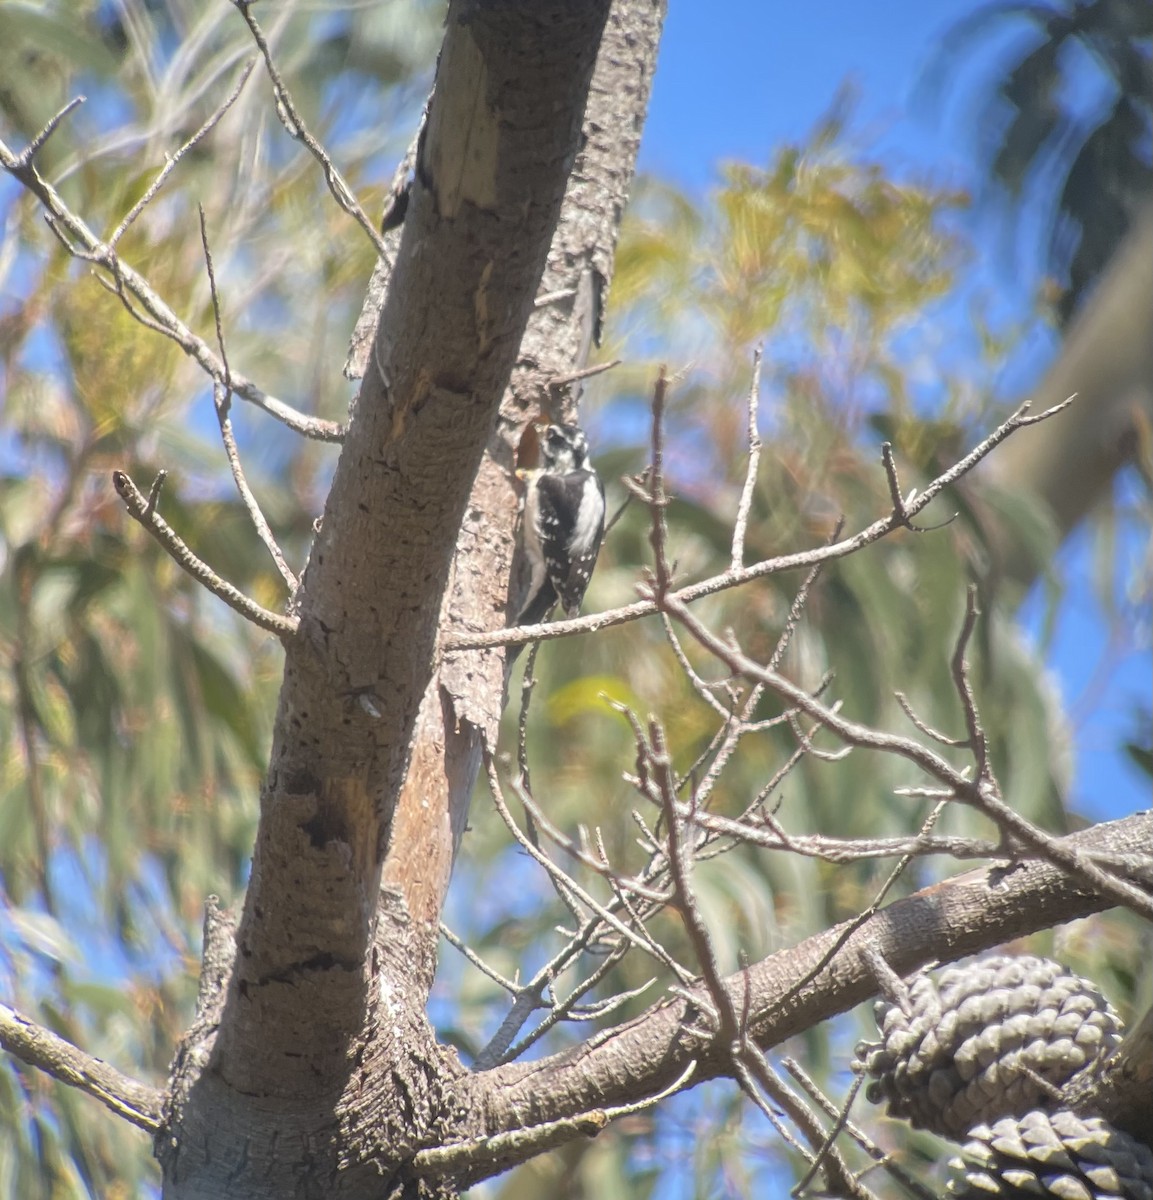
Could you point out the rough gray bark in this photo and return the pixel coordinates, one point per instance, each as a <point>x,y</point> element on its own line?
<point>462,707</point>
<point>311,1069</point>
<point>324,1076</point>
<point>790,992</point>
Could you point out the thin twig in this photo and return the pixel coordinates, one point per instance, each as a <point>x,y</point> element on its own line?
<point>561,1010</point>
<point>867,914</point>
<point>222,400</point>
<point>880,1157</point>
<point>172,160</point>
<point>942,739</point>
<point>844,850</point>
<point>557,381</point>
<point>839,1180</point>
<point>900,501</point>
<point>24,159</point>
<point>702,687</point>
<point>641,940</point>
<point>519,635</point>
<point>604,868</point>
<point>139,510</point>
<point>477,961</point>
<point>744,507</point>
<point>294,125</point>
<point>80,241</point>
<point>826,1149</point>
<point>738,729</point>
<point>977,793</point>
<point>684,900</point>
<point>977,741</point>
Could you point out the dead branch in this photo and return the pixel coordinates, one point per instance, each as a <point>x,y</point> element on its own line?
<point>943,922</point>
<point>173,160</point>
<point>80,241</point>
<point>745,504</point>
<point>222,400</point>
<point>296,129</point>
<point>979,793</point>
<point>879,529</point>
<point>144,511</point>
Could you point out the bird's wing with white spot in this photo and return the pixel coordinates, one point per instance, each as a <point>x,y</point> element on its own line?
<point>572,525</point>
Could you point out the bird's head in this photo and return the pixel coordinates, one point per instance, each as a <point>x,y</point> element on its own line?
<point>564,448</point>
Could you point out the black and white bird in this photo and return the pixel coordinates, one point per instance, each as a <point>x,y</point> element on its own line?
<point>563,524</point>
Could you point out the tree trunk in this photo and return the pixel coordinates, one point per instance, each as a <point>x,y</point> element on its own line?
<point>323,1076</point>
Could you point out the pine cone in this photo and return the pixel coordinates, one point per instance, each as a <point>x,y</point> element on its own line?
<point>970,1048</point>
<point>1052,1154</point>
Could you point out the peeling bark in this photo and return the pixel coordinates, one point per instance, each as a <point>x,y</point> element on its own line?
<point>461,710</point>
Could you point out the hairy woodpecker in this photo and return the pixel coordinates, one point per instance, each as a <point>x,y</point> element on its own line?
<point>562,525</point>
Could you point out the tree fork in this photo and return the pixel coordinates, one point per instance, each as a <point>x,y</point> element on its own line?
<point>323,1075</point>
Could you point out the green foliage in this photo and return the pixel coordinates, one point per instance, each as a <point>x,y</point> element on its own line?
<point>1070,117</point>
<point>835,267</point>
<point>135,711</point>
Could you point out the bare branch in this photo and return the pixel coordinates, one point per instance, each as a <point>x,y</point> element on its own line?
<point>520,1144</point>
<point>294,125</point>
<point>702,687</point>
<point>81,242</point>
<point>850,927</point>
<point>584,373</point>
<point>657,498</point>
<point>731,735</point>
<point>880,1157</point>
<point>41,1048</point>
<point>937,736</point>
<point>173,160</point>
<point>477,961</point>
<point>944,922</point>
<point>976,741</point>
<point>500,1049</point>
<point>826,1149</point>
<point>840,1181</point>
<point>144,511</point>
<point>797,608</point>
<point>640,939</point>
<point>899,500</point>
<point>602,867</point>
<point>979,793</point>
<point>680,867</point>
<point>222,400</point>
<point>879,529</point>
<point>745,504</point>
<point>771,836</point>
<point>23,160</point>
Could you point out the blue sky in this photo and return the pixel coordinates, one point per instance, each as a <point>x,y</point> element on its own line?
<point>737,79</point>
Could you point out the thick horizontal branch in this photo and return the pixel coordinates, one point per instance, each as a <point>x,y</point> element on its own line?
<point>899,518</point>
<point>41,1048</point>
<point>788,995</point>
